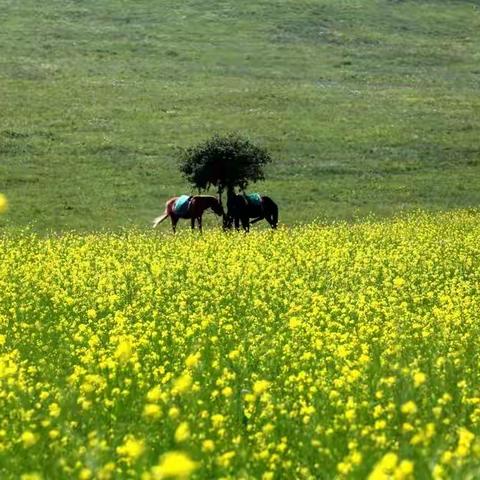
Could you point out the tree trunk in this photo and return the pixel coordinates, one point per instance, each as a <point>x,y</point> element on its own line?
<point>220,193</point>
<point>230,192</point>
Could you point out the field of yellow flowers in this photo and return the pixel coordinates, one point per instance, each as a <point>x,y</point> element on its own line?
<point>340,351</point>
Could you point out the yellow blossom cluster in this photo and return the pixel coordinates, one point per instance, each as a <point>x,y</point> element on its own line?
<point>3,203</point>
<point>341,351</point>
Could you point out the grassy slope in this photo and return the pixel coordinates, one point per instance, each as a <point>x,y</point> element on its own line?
<point>366,105</point>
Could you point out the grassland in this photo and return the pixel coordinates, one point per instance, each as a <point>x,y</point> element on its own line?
<point>308,353</point>
<point>367,106</point>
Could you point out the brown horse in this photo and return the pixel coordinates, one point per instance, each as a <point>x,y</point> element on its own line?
<point>197,205</point>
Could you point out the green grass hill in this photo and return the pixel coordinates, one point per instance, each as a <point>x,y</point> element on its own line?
<point>365,105</point>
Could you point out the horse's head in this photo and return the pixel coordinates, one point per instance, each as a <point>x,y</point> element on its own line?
<point>217,208</point>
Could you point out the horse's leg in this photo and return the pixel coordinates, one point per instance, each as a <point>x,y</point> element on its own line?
<point>174,222</point>
<point>237,223</point>
<point>246,224</point>
<point>193,223</point>
<point>200,223</point>
<point>255,220</point>
<point>227,222</point>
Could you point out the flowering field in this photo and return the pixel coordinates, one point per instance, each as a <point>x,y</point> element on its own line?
<point>316,352</point>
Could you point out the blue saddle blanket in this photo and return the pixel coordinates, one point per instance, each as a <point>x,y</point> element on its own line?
<point>254,199</point>
<point>181,205</point>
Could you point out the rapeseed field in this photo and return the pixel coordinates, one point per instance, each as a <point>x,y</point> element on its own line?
<point>339,351</point>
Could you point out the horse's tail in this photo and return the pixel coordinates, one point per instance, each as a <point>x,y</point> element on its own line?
<point>157,221</point>
<point>271,211</point>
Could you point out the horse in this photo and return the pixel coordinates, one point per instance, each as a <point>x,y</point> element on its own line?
<point>240,209</point>
<point>197,205</point>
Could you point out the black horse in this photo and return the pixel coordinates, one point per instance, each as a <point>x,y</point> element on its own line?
<point>241,208</point>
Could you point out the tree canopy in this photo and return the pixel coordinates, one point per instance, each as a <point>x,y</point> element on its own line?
<point>224,162</point>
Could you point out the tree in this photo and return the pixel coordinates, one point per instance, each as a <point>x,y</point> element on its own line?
<point>224,162</point>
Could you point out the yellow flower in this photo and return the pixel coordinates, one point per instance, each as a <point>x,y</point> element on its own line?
<point>225,459</point>
<point>152,410</point>
<point>344,468</point>
<point>407,427</point>
<point>174,465</point>
<point>131,448</point>
<point>182,384</point>
<point>124,351</point>
<point>155,394</point>
<point>356,458</point>
<point>404,470</point>
<point>389,462</point>
<point>268,428</point>
<point>227,392</point>
<point>208,446</point>
<point>192,360</point>
<point>419,378</point>
<point>409,408</point>
<point>384,468</point>
<point>260,386</point>
<point>3,203</point>
<point>173,412</point>
<point>182,433</point>
<point>54,410</point>
<point>217,420</point>
<point>249,397</point>
<point>294,322</point>
<point>85,474</point>
<point>438,472</point>
<point>100,295</point>
<point>465,439</point>
<point>31,476</point>
<point>447,457</point>
<point>44,395</point>
<point>106,472</point>
<point>28,439</point>
<point>234,354</point>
